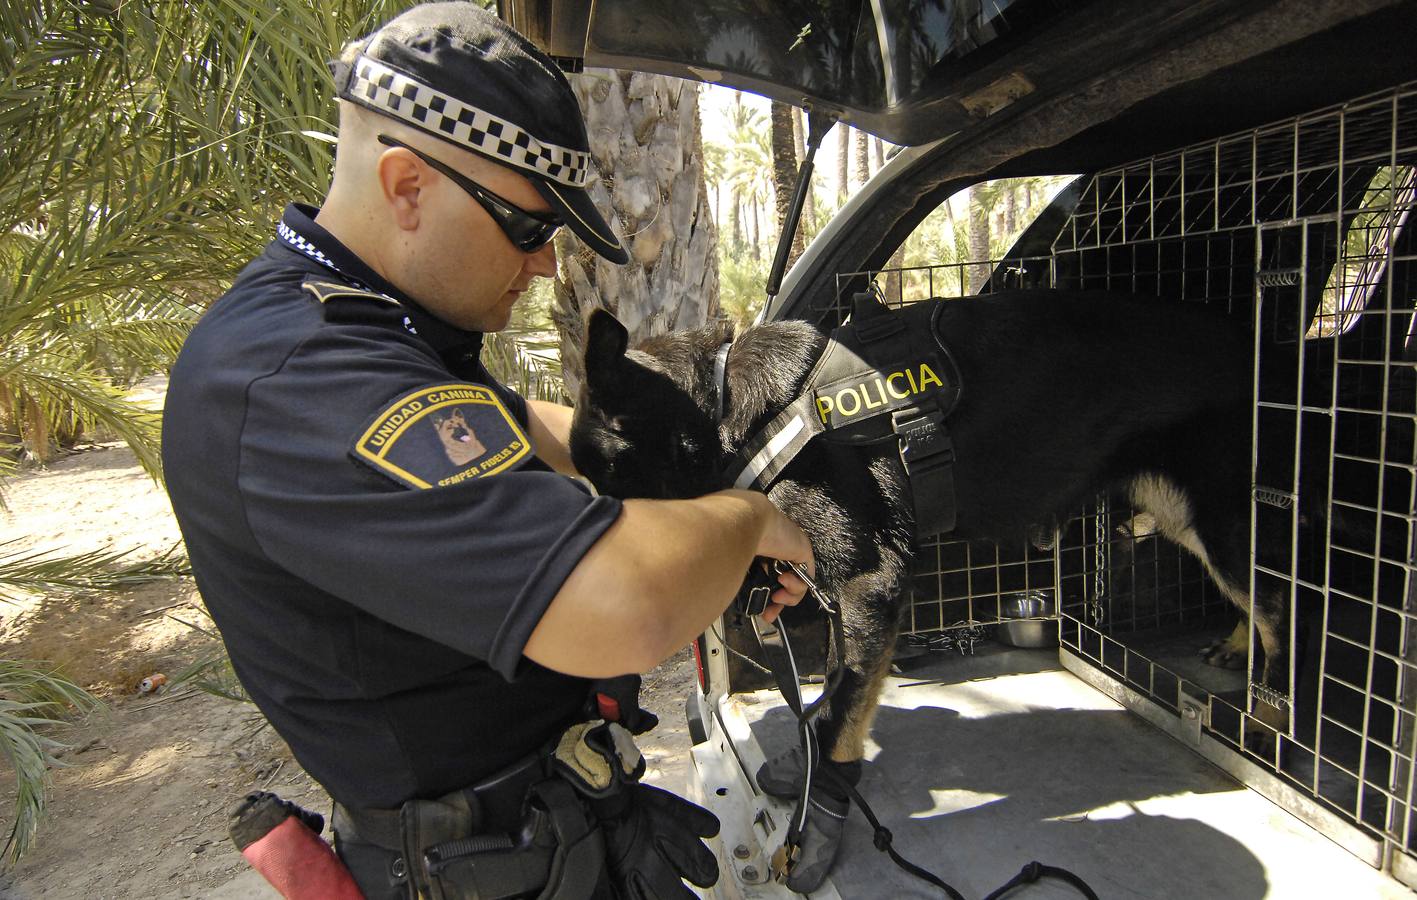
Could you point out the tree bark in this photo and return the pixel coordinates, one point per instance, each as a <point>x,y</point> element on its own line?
<point>978,238</point>
<point>860,158</point>
<point>753,226</point>
<point>784,173</point>
<point>1011,210</point>
<point>646,140</point>
<point>809,205</point>
<point>893,286</point>
<point>843,161</point>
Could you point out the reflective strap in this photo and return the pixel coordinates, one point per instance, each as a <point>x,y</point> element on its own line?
<point>777,445</point>
<point>779,442</point>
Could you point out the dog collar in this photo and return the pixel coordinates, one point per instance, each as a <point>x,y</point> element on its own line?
<point>720,379</point>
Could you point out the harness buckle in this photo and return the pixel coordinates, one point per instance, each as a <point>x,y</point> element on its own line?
<point>756,601</point>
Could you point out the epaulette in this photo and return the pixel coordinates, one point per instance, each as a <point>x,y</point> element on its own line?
<point>347,303</point>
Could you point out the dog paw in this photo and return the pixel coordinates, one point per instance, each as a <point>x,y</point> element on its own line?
<point>1222,656</point>
<point>1232,652</point>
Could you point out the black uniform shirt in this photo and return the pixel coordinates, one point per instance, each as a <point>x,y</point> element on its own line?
<point>368,526</point>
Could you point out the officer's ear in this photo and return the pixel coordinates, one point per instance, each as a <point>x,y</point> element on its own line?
<point>401,179</point>
<point>605,343</point>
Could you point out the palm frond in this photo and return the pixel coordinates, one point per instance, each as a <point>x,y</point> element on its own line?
<point>527,365</point>
<point>31,698</point>
<point>212,674</point>
<point>25,571</point>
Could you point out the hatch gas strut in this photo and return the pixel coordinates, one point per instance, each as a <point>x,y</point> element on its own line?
<point>818,124</point>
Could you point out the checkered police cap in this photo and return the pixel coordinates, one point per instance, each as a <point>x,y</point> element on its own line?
<point>461,74</point>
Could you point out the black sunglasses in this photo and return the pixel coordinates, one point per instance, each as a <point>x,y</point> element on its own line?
<point>528,231</point>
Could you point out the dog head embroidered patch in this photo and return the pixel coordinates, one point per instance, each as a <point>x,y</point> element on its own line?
<point>442,435</point>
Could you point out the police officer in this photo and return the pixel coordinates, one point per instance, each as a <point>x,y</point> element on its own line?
<point>409,586</point>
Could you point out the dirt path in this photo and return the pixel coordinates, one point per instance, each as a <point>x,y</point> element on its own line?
<point>140,808</point>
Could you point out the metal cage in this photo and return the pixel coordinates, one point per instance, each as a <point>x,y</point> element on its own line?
<point>1301,228</point>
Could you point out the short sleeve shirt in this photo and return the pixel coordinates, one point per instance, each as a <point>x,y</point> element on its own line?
<point>369,526</point>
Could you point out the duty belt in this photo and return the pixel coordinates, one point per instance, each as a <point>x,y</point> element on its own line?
<point>885,375</point>
<point>515,834</point>
<point>493,803</point>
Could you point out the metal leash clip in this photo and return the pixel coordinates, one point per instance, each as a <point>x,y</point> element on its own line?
<point>823,600</point>
<point>755,600</point>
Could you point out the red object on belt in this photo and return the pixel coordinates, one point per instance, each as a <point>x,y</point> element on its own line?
<point>298,863</point>
<point>282,842</point>
<point>609,707</point>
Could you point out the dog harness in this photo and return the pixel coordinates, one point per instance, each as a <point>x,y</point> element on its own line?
<point>884,375</point>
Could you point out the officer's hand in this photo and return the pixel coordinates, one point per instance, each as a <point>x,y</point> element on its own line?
<point>791,592</point>
<point>656,843</point>
<point>782,539</point>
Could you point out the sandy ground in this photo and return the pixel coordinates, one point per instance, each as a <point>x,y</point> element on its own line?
<point>139,807</point>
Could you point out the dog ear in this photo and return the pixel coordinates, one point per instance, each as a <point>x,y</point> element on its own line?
<point>605,342</point>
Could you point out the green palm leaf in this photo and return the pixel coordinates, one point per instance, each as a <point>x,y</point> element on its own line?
<point>31,698</point>
<point>28,571</point>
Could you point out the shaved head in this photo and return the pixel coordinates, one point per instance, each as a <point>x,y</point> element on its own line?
<point>359,150</point>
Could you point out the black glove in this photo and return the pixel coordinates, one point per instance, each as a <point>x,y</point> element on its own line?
<point>654,840</point>
<point>618,700</point>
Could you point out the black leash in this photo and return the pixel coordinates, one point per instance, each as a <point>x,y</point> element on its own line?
<point>778,649</point>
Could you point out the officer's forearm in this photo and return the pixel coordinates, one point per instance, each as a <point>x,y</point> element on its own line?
<point>551,434</point>
<point>656,579</point>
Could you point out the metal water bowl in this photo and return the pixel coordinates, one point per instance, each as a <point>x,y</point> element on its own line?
<point>1028,620</point>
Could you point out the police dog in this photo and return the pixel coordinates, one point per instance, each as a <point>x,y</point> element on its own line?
<point>1063,394</point>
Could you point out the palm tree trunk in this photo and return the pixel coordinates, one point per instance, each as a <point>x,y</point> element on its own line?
<point>843,161</point>
<point>753,224</point>
<point>646,140</point>
<point>809,206</point>
<point>1011,210</point>
<point>860,158</point>
<point>978,239</point>
<point>893,286</point>
<point>784,172</point>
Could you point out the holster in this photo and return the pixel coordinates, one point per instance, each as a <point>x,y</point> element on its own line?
<point>467,845</point>
<point>559,853</point>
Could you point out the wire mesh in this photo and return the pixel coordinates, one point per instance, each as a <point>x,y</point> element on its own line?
<point>1302,228</point>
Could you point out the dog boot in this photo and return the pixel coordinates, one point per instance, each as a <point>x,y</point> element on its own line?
<point>781,776</point>
<point>821,839</point>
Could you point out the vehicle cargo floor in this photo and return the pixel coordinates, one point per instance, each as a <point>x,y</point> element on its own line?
<point>979,764</point>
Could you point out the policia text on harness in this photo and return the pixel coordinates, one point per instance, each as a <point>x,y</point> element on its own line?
<point>883,376</point>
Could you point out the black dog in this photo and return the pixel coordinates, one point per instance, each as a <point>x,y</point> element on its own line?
<point>1064,394</point>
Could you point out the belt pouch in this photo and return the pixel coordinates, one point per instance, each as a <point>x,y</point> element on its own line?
<point>578,866</point>
<point>486,867</point>
<point>427,823</point>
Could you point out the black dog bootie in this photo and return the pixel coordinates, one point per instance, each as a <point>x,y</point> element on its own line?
<point>782,777</point>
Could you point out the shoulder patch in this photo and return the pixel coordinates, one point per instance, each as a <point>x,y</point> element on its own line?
<point>442,435</point>
<point>325,291</point>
